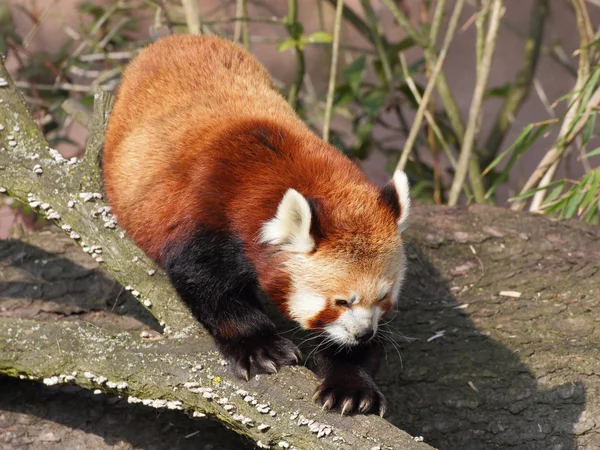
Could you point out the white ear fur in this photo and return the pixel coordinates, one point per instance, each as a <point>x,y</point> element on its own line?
<point>400,181</point>
<point>290,227</point>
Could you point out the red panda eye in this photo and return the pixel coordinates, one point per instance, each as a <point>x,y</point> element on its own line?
<point>341,302</point>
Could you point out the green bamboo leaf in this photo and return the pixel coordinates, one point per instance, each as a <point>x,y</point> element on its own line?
<point>286,45</point>
<point>353,73</point>
<point>594,152</point>
<point>573,204</point>
<point>319,37</point>
<point>531,192</point>
<point>554,194</point>
<point>499,91</point>
<point>593,183</point>
<point>589,129</point>
<point>527,137</point>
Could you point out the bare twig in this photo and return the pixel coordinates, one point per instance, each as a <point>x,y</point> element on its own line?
<point>572,123</point>
<point>296,34</point>
<point>475,109</point>
<point>430,85</point>
<point>241,26</point>
<point>192,16</point>
<point>520,90</point>
<point>333,69</point>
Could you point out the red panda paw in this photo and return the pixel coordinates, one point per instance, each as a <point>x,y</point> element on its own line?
<point>350,392</point>
<point>263,354</point>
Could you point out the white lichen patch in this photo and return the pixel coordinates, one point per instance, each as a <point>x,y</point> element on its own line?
<point>3,82</point>
<point>71,204</point>
<point>97,391</point>
<point>86,196</point>
<point>111,384</point>
<point>122,385</point>
<point>56,156</point>
<point>151,272</point>
<point>243,420</point>
<point>261,444</point>
<point>198,414</point>
<point>53,215</point>
<point>147,303</point>
<point>67,228</point>
<point>89,375</point>
<point>74,235</point>
<point>2,190</point>
<point>263,427</point>
<point>37,169</point>
<point>283,444</point>
<point>51,381</point>
<point>263,409</point>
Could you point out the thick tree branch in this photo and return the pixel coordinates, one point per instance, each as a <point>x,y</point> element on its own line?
<point>70,193</point>
<point>186,374</point>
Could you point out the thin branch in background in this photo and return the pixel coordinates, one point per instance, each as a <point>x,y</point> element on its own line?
<point>521,87</point>
<point>430,85</point>
<point>475,109</point>
<point>192,16</point>
<point>438,15</point>
<point>295,32</point>
<point>443,89</point>
<point>428,116</point>
<point>241,26</point>
<point>586,35</point>
<point>357,23</point>
<point>571,127</point>
<point>376,35</point>
<point>333,70</point>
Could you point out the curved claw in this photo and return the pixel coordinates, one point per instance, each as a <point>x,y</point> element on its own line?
<point>348,406</point>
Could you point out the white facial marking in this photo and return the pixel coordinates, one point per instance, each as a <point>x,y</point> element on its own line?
<point>351,322</point>
<point>290,227</point>
<point>303,304</point>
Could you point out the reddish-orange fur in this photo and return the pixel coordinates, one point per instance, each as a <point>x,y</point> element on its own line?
<point>199,136</point>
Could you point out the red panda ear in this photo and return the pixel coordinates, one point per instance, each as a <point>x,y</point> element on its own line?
<point>396,195</point>
<point>291,225</point>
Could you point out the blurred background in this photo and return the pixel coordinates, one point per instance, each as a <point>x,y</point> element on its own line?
<point>509,119</point>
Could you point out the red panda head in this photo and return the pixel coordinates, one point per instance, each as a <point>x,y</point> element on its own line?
<point>344,256</point>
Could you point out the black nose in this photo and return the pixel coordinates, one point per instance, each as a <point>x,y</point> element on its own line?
<point>365,335</point>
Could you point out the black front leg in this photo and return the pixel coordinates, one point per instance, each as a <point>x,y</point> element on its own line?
<point>214,278</point>
<point>348,383</point>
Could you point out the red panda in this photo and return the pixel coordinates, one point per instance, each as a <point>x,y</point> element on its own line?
<point>216,178</point>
